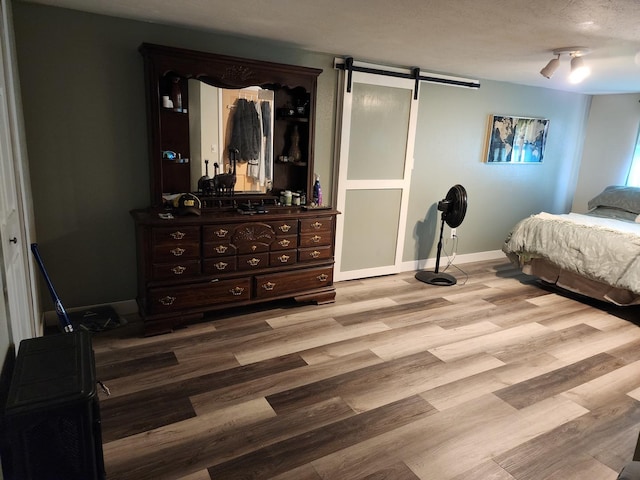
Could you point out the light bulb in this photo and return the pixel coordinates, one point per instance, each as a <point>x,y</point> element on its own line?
<point>579,71</point>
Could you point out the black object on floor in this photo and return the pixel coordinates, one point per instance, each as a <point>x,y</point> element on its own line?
<point>96,319</point>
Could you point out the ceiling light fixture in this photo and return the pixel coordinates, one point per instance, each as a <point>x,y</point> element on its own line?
<point>551,67</point>
<point>579,71</point>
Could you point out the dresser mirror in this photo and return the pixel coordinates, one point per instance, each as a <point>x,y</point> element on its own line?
<point>193,101</point>
<point>224,120</point>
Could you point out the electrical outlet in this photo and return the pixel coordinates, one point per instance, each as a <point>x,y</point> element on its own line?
<point>453,233</point>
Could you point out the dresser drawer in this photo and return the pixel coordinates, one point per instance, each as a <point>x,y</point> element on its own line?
<point>220,265</point>
<point>215,233</point>
<point>197,295</point>
<point>175,235</point>
<point>253,237</point>
<point>252,247</point>
<point>164,271</point>
<point>218,249</point>
<point>285,242</point>
<point>318,224</point>
<point>283,283</point>
<point>284,257</point>
<point>171,253</point>
<point>322,237</point>
<point>285,227</point>
<point>253,262</point>
<point>317,253</point>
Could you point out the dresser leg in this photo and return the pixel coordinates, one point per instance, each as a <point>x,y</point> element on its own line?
<point>317,298</point>
<point>167,325</point>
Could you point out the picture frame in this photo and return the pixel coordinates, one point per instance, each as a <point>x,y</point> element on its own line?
<point>516,140</point>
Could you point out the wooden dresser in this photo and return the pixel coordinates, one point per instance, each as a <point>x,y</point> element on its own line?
<point>192,264</point>
<point>189,265</point>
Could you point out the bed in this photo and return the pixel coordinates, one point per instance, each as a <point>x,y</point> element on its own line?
<point>596,254</point>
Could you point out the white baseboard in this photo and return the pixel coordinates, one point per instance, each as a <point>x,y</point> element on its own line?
<point>458,260</point>
<point>423,264</point>
<point>123,308</point>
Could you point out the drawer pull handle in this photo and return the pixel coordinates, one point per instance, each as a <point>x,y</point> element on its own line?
<point>178,235</point>
<point>268,286</point>
<point>178,270</point>
<point>254,248</point>
<point>254,261</point>
<point>166,301</point>
<point>221,233</point>
<point>316,239</point>
<point>284,258</point>
<point>284,242</point>
<point>221,248</point>
<point>315,254</point>
<point>316,225</point>
<point>284,228</point>
<point>178,251</point>
<point>323,277</point>
<point>236,291</point>
<point>221,265</point>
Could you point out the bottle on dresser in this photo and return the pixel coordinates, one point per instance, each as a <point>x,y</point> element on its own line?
<point>317,192</point>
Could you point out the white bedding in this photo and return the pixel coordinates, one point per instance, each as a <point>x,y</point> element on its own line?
<point>602,249</point>
<point>612,224</point>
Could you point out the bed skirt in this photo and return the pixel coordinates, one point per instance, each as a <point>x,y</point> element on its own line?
<point>573,282</point>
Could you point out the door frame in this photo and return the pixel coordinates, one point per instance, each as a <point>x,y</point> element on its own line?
<point>25,323</point>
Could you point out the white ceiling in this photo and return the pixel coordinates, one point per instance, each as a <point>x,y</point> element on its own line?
<point>506,40</point>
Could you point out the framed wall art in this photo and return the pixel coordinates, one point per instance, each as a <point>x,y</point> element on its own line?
<point>516,139</point>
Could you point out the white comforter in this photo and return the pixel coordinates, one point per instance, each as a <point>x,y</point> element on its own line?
<point>602,249</point>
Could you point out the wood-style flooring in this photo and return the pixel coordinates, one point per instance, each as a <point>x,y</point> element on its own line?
<point>495,378</point>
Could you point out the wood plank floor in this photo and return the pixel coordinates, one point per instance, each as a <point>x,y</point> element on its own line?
<point>495,378</point>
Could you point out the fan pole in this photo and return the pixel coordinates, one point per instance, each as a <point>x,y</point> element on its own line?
<point>439,246</point>
<point>436,278</point>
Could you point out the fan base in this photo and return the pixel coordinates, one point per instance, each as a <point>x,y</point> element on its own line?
<point>433,278</point>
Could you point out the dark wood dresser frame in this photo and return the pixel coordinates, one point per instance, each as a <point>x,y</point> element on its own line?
<point>189,265</point>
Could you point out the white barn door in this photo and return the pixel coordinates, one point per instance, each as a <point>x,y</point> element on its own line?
<point>378,128</point>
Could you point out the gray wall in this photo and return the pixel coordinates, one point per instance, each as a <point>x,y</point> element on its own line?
<point>450,148</point>
<point>608,150</point>
<point>83,95</point>
<point>85,119</point>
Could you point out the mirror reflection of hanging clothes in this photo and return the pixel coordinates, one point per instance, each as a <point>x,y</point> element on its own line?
<point>255,168</point>
<point>265,107</point>
<point>246,133</point>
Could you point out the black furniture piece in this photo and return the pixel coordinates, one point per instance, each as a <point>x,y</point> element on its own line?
<point>52,414</point>
<point>631,470</point>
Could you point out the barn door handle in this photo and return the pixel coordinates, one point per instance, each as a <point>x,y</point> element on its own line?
<point>13,240</point>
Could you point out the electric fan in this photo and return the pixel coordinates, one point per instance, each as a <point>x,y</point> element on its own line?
<point>453,208</point>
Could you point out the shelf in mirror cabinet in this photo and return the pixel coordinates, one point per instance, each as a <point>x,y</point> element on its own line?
<point>293,164</point>
<point>172,111</point>
<point>293,118</point>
